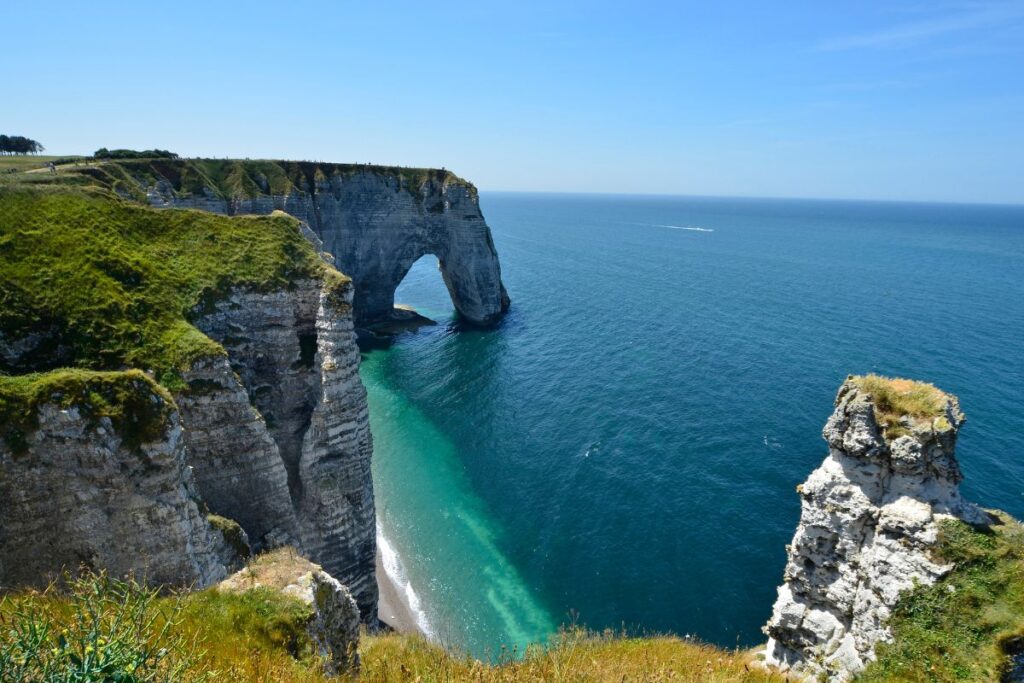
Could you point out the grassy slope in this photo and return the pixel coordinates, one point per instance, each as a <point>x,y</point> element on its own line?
<point>957,629</point>
<point>953,631</point>
<point>259,635</point>
<point>27,162</point>
<point>109,285</point>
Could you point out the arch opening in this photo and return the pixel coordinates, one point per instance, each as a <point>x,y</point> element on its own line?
<point>420,298</point>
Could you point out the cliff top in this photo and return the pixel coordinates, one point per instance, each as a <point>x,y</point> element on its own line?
<point>223,178</point>
<point>898,401</point>
<point>135,405</point>
<point>92,281</point>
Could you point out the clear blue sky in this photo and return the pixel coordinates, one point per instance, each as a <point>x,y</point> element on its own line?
<point>915,100</point>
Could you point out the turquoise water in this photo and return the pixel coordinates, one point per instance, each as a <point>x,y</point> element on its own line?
<point>622,450</point>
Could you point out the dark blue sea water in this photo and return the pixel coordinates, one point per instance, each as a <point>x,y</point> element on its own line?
<point>623,449</point>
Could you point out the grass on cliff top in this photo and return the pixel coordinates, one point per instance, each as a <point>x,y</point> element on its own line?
<point>574,655</point>
<point>961,628</point>
<point>89,281</point>
<point>259,636</point>
<point>104,284</point>
<point>25,163</point>
<point>896,398</point>
<point>136,407</point>
<point>224,178</point>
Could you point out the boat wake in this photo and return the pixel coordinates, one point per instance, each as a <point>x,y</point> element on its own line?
<point>683,227</point>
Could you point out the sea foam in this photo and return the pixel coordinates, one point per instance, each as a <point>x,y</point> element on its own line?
<point>396,572</point>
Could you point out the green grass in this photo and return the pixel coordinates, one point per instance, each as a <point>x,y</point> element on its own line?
<point>100,629</point>
<point>260,635</point>
<point>103,284</point>
<point>136,406</point>
<point>958,628</point>
<point>225,178</point>
<point>109,284</point>
<point>29,162</point>
<point>895,399</point>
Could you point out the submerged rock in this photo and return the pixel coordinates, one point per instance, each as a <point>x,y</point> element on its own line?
<point>868,523</point>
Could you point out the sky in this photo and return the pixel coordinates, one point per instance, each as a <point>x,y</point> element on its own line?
<point>919,100</point>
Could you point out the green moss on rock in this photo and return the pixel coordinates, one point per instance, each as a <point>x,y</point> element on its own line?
<point>137,407</point>
<point>232,533</point>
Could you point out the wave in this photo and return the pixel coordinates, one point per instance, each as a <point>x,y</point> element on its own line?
<point>396,572</point>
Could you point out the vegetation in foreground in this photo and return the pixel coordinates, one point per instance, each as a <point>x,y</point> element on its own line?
<point>961,628</point>
<point>99,629</point>
<point>102,630</point>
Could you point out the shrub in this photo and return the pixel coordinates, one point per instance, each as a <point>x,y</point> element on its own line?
<point>102,630</point>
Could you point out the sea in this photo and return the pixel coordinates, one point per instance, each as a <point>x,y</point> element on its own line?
<point>622,451</point>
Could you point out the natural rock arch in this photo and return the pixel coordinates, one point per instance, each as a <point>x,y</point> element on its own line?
<point>376,221</point>
<point>376,234</point>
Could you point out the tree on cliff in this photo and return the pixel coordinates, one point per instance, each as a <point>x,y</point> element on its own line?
<point>104,153</point>
<point>17,144</point>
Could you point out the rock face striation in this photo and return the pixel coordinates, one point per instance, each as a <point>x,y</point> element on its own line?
<point>869,518</point>
<point>78,493</point>
<point>280,428</point>
<point>376,222</point>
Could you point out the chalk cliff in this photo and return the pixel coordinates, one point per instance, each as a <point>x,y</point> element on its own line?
<point>80,489</point>
<point>375,221</point>
<point>281,437</point>
<point>868,523</point>
<point>245,410</point>
<point>267,432</point>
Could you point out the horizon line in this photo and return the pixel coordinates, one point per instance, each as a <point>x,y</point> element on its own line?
<point>953,202</point>
<point>667,195</point>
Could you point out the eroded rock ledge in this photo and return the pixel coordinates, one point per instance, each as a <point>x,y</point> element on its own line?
<point>868,523</point>
<point>83,491</point>
<point>333,623</point>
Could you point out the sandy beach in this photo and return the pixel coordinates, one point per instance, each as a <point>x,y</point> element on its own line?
<point>393,607</point>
